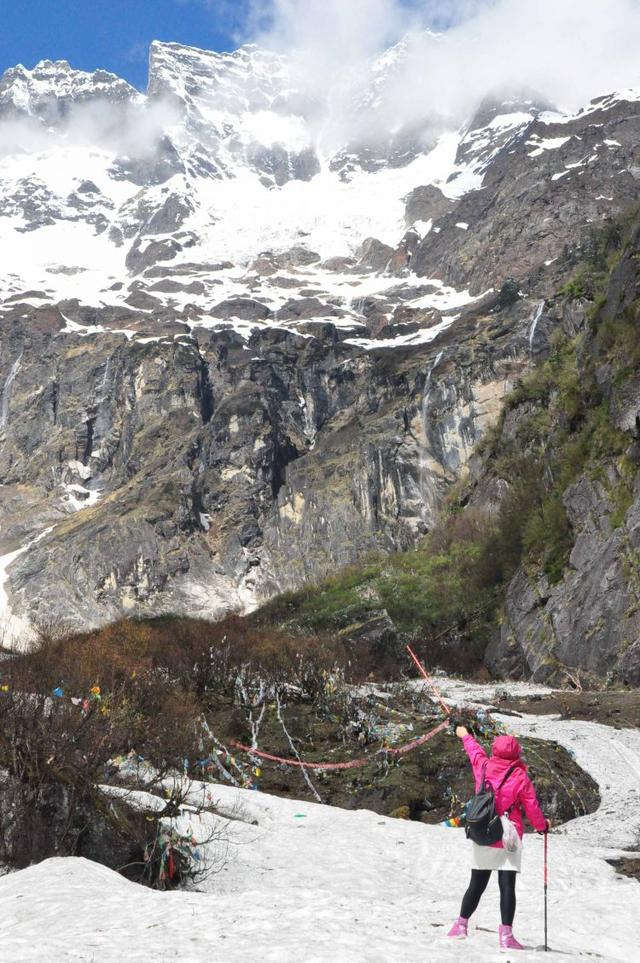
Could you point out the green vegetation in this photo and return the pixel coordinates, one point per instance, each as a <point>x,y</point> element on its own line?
<point>446,594</point>
<point>565,430</point>
<point>429,591</point>
<point>622,494</point>
<point>600,255</point>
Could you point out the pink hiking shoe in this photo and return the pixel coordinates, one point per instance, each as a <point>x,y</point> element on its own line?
<point>459,929</point>
<point>507,939</point>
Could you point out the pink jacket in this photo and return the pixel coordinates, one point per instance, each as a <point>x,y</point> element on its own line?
<point>518,791</point>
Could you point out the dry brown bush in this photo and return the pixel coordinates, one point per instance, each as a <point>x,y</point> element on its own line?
<point>196,657</point>
<point>55,752</point>
<point>153,683</point>
<point>53,758</point>
<point>472,525</point>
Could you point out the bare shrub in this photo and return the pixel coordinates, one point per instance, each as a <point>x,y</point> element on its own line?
<point>193,655</point>
<point>58,746</point>
<point>473,525</point>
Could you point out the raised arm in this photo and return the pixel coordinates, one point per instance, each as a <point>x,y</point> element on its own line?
<point>477,755</point>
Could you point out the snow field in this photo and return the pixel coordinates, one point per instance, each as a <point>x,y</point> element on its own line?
<point>315,883</point>
<point>13,627</point>
<point>611,756</point>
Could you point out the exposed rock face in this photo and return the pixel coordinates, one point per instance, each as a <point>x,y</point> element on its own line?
<point>426,203</point>
<point>590,620</point>
<point>229,364</point>
<point>374,254</point>
<point>195,474</point>
<point>534,183</point>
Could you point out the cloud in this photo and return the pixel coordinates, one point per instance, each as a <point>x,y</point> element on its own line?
<point>329,34</point>
<point>130,128</point>
<point>444,14</point>
<point>569,50</point>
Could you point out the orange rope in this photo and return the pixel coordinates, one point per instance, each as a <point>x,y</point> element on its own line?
<point>353,764</point>
<point>430,683</point>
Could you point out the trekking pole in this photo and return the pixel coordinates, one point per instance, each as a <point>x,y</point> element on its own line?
<point>546,887</point>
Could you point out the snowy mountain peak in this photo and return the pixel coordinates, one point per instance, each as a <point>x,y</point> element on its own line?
<point>235,111</point>
<point>247,79</point>
<point>232,159</point>
<point>51,88</point>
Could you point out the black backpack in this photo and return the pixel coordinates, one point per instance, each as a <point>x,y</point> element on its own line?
<point>482,822</point>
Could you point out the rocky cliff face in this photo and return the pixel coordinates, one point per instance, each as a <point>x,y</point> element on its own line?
<point>233,356</point>
<point>589,620</point>
<point>201,472</point>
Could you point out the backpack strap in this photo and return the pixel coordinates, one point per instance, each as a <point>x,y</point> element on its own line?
<point>483,781</point>
<point>508,773</point>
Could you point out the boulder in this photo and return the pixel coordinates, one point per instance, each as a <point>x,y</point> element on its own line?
<point>244,309</point>
<point>373,254</point>
<point>426,203</point>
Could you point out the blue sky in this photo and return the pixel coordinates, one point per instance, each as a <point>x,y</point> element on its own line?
<point>115,34</point>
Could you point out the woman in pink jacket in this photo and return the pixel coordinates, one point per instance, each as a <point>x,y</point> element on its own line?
<point>512,798</point>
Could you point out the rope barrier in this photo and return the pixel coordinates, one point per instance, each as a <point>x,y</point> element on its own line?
<point>353,763</point>
<point>364,760</point>
<point>430,682</point>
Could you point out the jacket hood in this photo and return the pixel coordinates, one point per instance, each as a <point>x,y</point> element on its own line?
<point>506,747</point>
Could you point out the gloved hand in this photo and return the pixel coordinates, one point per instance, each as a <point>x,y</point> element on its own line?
<point>543,832</point>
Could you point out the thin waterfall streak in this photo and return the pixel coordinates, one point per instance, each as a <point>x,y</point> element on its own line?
<point>425,405</point>
<point>534,325</point>
<point>6,391</point>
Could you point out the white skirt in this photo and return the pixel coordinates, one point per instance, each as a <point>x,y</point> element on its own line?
<point>490,857</point>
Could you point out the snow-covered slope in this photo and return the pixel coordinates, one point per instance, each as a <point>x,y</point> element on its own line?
<point>162,203</point>
<point>223,160</point>
<point>310,882</point>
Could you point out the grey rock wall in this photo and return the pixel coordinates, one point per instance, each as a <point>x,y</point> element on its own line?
<point>199,473</point>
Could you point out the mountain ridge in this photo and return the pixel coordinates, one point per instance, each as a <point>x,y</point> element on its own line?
<point>225,372</point>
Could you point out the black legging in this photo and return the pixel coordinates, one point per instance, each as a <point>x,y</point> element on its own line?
<point>477,886</point>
